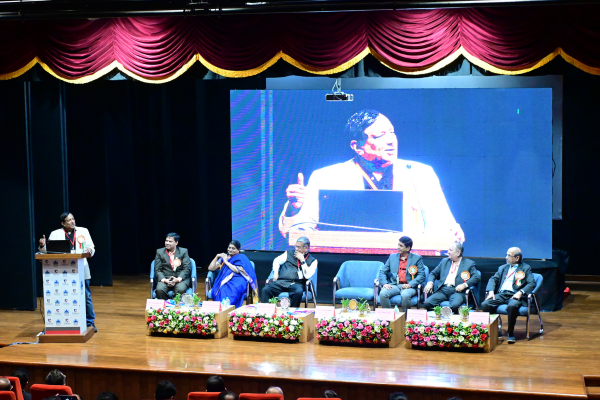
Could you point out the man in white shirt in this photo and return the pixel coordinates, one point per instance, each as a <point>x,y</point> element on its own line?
<point>290,272</point>
<point>375,166</point>
<point>510,285</point>
<point>77,236</point>
<point>455,274</point>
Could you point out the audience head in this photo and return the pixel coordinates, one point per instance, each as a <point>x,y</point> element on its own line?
<point>215,384</point>
<point>52,398</point>
<point>274,390</point>
<point>165,390</point>
<point>330,394</point>
<point>5,384</point>
<point>228,395</point>
<point>55,377</point>
<point>22,375</point>
<point>398,396</point>
<point>107,396</point>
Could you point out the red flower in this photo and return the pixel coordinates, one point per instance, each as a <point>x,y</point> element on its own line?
<point>483,336</point>
<point>449,330</point>
<point>256,320</point>
<point>280,323</point>
<point>473,326</point>
<point>149,319</point>
<point>447,323</point>
<point>287,328</point>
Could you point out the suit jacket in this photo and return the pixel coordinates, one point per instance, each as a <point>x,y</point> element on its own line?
<point>425,209</point>
<point>527,284</point>
<point>441,273</point>
<point>389,272</point>
<point>59,234</point>
<point>163,269</point>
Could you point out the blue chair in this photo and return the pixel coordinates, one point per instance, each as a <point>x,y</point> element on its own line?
<point>210,279</point>
<point>526,311</point>
<point>356,280</point>
<point>154,281</point>
<point>472,292</point>
<point>397,300</point>
<point>310,292</point>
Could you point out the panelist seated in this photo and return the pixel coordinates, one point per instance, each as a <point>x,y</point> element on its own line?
<point>510,285</point>
<point>401,274</point>
<point>290,272</point>
<point>172,267</point>
<point>235,272</point>
<point>456,274</point>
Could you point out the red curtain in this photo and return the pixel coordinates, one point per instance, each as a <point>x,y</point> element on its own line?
<point>504,40</point>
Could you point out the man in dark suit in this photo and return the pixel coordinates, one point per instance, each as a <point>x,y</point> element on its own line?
<point>456,274</point>
<point>172,267</point>
<point>513,280</point>
<point>401,274</point>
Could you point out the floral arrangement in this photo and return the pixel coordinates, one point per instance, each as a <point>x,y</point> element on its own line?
<point>179,321</point>
<point>353,330</point>
<point>449,334</point>
<point>278,327</point>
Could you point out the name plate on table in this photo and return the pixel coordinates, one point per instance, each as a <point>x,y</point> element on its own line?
<point>416,315</point>
<point>385,314</point>
<point>155,304</point>
<point>211,306</point>
<point>266,308</point>
<point>324,312</point>
<point>479,317</point>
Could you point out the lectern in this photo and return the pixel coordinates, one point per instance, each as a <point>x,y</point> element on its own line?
<point>64,298</point>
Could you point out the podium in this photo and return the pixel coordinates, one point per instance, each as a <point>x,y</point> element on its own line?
<point>63,276</point>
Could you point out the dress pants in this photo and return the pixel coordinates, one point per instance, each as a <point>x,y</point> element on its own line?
<point>162,289</point>
<point>491,305</point>
<point>273,289</point>
<point>90,316</point>
<point>448,293</point>
<point>387,294</point>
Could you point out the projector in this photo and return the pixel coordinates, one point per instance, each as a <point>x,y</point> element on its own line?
<point>339,97</point>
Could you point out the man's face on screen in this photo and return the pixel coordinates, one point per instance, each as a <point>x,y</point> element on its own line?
<point>382,144</point>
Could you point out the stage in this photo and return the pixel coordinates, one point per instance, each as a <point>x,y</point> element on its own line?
<point>123,359</point>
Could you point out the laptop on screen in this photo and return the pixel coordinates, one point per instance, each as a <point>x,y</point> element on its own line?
<point>58,246</point>
<point>360,210</point>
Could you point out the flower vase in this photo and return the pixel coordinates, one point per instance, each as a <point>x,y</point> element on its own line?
<point>344,309</point>
<point>465,318</point>
<point>438,317</point>
<point>361,313</point>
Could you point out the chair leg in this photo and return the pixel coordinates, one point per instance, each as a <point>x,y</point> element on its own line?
<point>528,317</point>
<point>314,295</point>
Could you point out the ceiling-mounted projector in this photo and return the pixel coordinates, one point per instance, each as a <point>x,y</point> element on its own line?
<point>339,97</point>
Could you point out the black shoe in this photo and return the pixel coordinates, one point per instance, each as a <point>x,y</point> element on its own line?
<point>511,339</point>
<point>499,333</point>
<point>95,329</point>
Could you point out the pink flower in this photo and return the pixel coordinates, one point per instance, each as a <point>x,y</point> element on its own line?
<point>408,338</point>
<point>231,324</point>
<point>475,332</point>
<point>428,329</point>
<point>415,337</point>
<point>340,325</point>
<point>354,325</point>
<point>186,318</point>
<point>154,318</point>
<point>435,330</point>
<point>415,343</point>
<point>150,325</point>
<point>214,323</point>
<point>423,344</point>
<point>427,339</point>
<point>346,323</point>
<point>377,322</point>
<point>382,340</point>
<point>368,328</point>
<point>409,330</point>
<point>360,326</point>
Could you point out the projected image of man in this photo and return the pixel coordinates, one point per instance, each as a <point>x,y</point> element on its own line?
<point>375,166</point>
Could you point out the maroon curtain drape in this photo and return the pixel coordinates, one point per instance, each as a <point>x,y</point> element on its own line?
<point>507,40</point>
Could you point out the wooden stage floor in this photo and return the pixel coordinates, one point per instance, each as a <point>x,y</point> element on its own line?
<point>121,358</point>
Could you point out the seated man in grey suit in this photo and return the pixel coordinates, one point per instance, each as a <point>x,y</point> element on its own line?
<point>401,274</point>
<point>172,266</point>
<point>456,275</point>
<point>513,280</point>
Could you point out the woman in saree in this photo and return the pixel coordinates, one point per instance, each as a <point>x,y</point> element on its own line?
<point>235,272</point>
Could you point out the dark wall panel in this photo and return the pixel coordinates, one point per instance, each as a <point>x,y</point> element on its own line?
<point>17,233</point>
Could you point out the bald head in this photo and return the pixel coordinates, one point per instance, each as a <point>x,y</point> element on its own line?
<point>514,256</point>
<point>5,384</point>
<point>275,390</point>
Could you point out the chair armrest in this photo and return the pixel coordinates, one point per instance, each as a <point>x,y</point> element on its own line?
<point>267,281</point>
<point>376,282</point>
<point>336,283</point>
<point>151,287</point>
